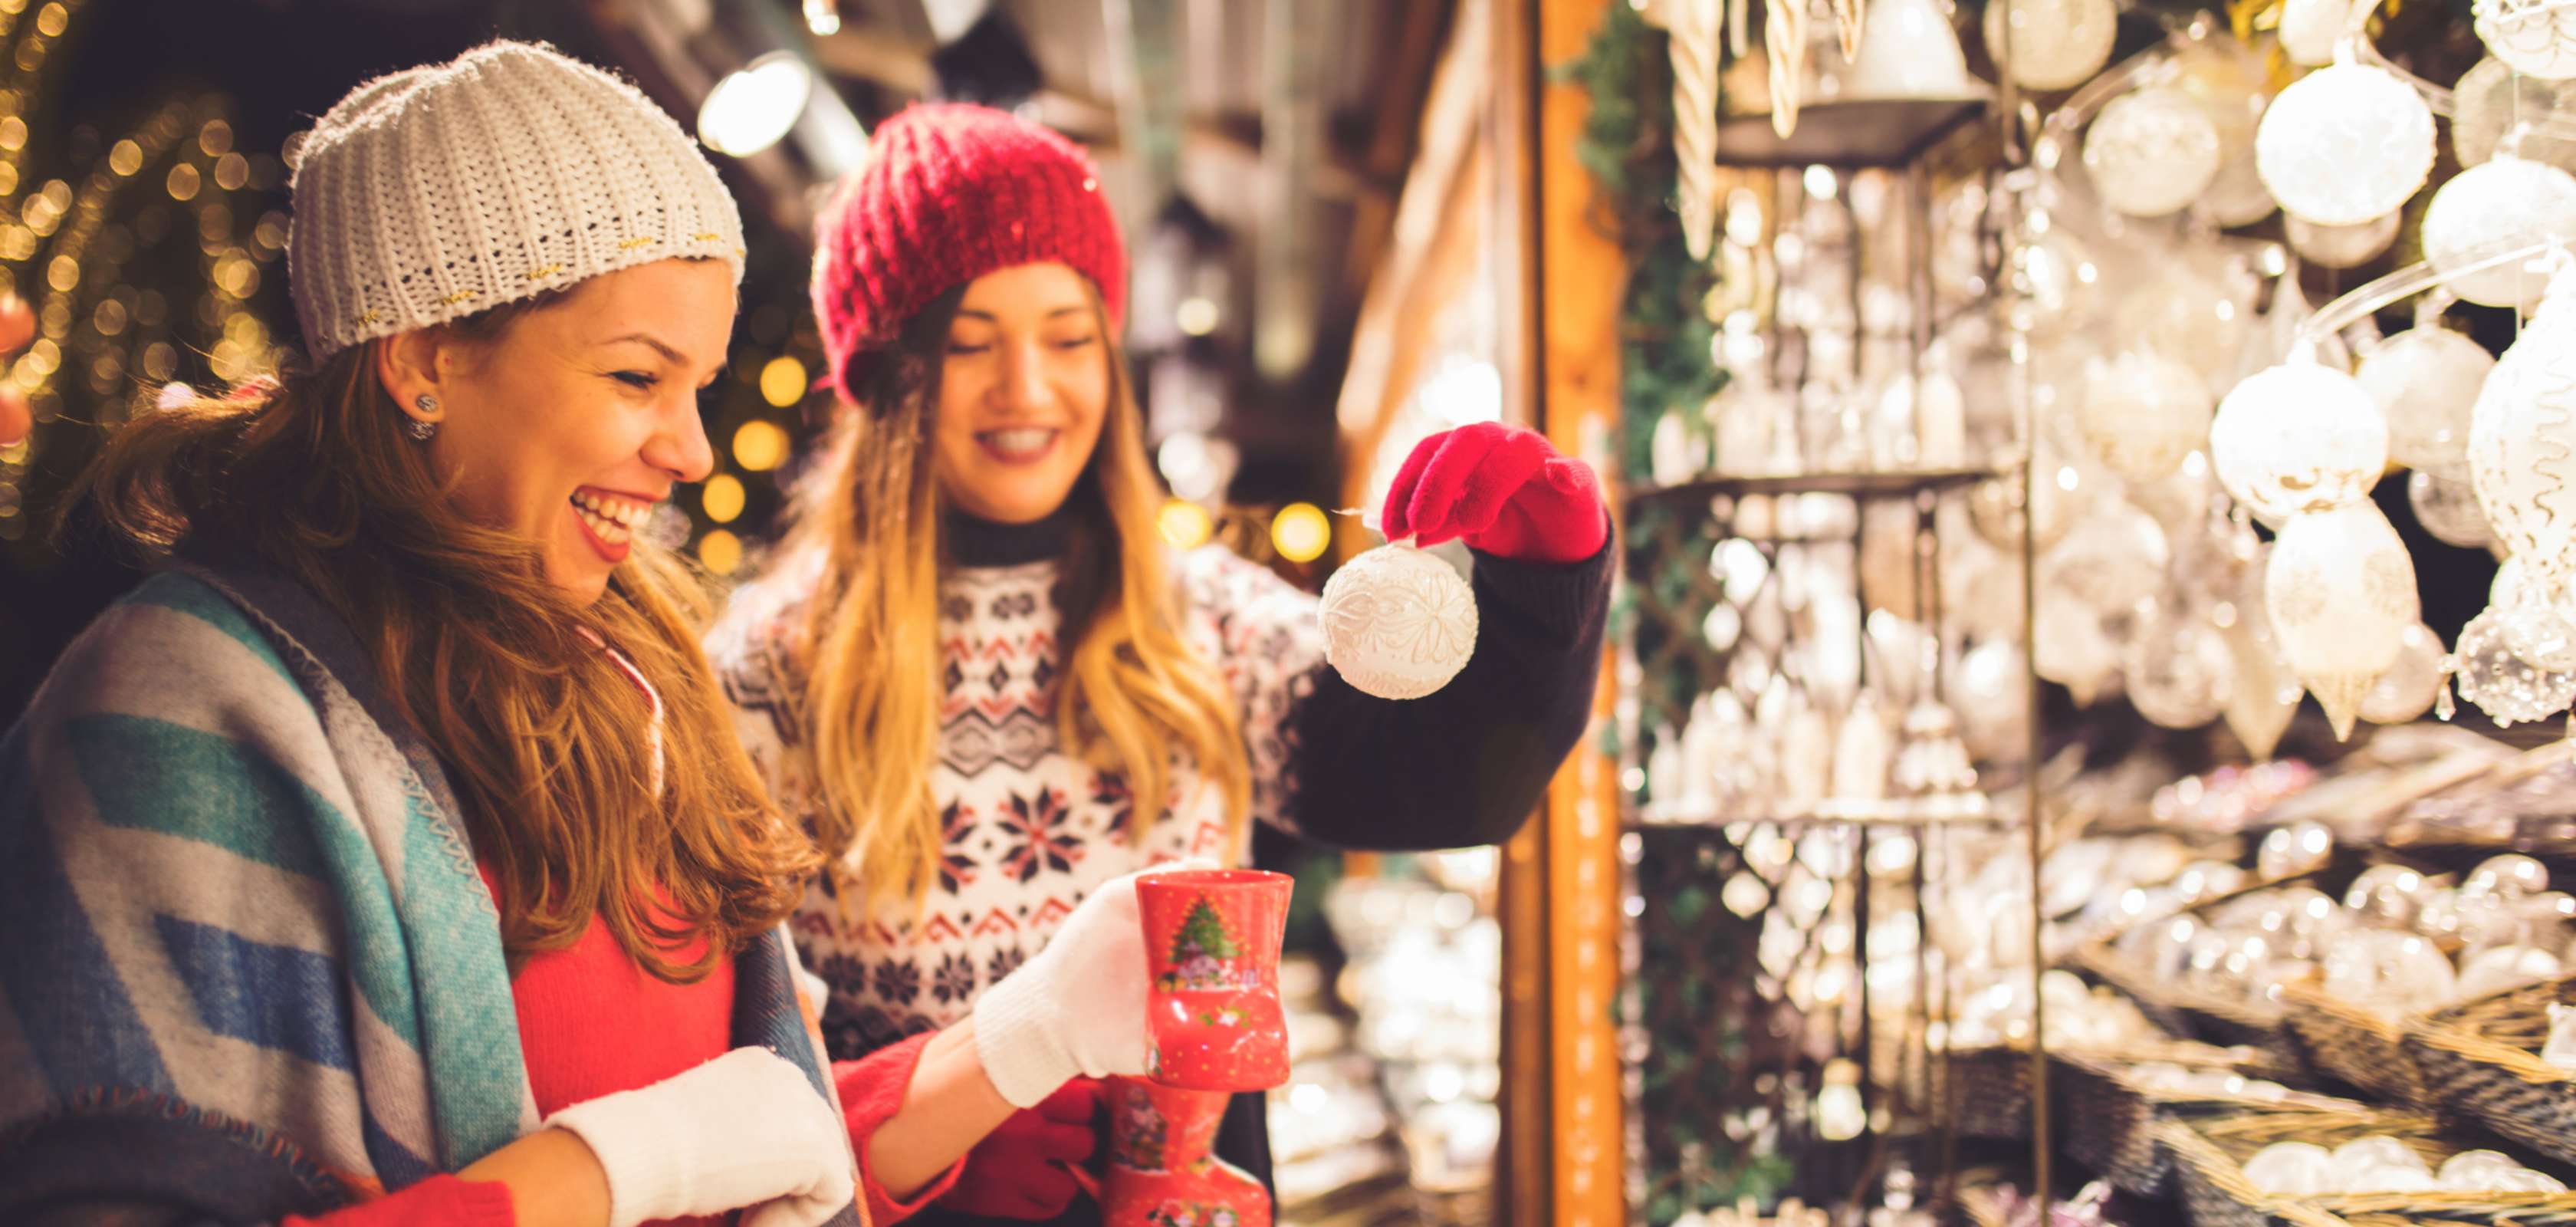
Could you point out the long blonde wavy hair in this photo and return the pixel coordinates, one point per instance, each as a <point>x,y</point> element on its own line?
<point>864,655</point>
<point>541,736</point>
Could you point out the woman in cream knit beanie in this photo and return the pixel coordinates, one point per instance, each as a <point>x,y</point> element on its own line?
<point>389,856</point>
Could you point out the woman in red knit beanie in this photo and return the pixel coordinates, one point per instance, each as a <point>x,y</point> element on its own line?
<point>976,672</point>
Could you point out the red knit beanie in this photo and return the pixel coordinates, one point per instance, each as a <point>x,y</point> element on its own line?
<point>949,193</point>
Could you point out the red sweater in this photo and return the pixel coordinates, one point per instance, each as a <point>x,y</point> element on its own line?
<point>593,1022</point>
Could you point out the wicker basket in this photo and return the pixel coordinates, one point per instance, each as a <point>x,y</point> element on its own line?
<point>2207,1157</point>
<point>2362,1048</point>
<point>2481,1061</point>
<point>1990,1092</point>
<point>2184,1011</point>
<point>2109,1119</point>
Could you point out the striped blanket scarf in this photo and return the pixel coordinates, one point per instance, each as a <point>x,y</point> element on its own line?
<point>247,966</point>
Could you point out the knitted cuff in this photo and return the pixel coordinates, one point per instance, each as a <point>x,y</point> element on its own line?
<point>1562,598</point>
<point>1016,1035</point>
<point>623,1131</point>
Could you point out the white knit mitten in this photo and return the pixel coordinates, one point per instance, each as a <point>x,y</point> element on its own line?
<point>742,1130</point>
<point>1078,1007</point>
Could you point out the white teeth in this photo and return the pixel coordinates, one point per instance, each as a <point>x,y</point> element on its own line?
<point>625,512</point>
<point>608,530</point>
<point>1024,440</point>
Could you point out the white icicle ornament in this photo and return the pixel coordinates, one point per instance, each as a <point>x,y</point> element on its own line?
<point>2522,438</point>
<point>1398,622</point>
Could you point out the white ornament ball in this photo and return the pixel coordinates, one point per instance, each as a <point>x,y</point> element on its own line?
<point>2143,413</point>
<point>2309,29</point>
<point>2151,152</point>
<point>2426,382</point>
<point>2503,203</point>
<point>2341,246</point>
<point>2522,440</point>
<point>1398,622</point>
<point>2340,590</point>
<point>2492,99</point>
<point>2345,144</point>
<point>2448,508</point>
<point>2056,44</point>
<point>2298,437</point>
<point>2409,687</point>
<point>2535,37</point>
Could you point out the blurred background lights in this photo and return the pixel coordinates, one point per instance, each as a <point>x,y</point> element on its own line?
<point>755,105</point>
<point>720,551</point>
<point>1185,524</point>
<point>782,382</point>
<point>721,498</point>
<point>1195,316</point>
<point>1300,532</point>
<point>759,445</point>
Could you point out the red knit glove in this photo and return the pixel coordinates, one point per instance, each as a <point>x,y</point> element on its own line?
<point>1016,1171</point>
<point>1503,489</point>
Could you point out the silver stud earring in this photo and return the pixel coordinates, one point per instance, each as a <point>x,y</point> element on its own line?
<point>419,428</point>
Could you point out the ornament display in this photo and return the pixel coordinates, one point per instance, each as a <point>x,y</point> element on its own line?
<point>2341,246</point>
<point>2056,44</point>
<point>2340,590</point>
<point>1694,53</point>
<point>2192,313</point>
<point>2409,687</point>
<point>2298,437</point>
<point>2500,204</point>
<point>2345,144</point>
<point>1398,621</point>
<point>2143,412</point>
<point>2506,687</point>
<point>2309,29</point>
<point>2178,668</point>
<point>2150,152</point>
<point>2448,508</point>
<point>2112,561</point>
<point>2522,439</point>
<point>2492,99</point>
<point>1994,507</point>
<point>2054,288</point>
<point>2425,381</point>
<point>2263,690</point>
<point>2536,38</point>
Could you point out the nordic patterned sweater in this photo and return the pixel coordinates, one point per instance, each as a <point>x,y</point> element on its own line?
<point>1031,828</point>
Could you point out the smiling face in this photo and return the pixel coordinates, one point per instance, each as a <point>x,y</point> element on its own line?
<point>570,425</point>
<point>1023,388</point>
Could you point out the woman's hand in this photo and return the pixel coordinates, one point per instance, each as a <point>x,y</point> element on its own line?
<point>747,1129</point>
<point>1078,1008</point>
<point>1505,490</point>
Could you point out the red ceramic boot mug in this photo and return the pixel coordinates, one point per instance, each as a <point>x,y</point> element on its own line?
<point>1212,946</point>
<point>1162,1171</point>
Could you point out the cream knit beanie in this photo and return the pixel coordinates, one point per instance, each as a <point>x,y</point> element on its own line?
<point>442,191</point>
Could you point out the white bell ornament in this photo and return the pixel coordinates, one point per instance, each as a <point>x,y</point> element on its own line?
<point>2340,590</point>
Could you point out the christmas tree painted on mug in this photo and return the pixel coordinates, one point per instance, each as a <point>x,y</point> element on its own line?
<point>1203,953</point>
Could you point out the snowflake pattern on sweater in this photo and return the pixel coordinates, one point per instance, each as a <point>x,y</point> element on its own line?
<point>1028,828</point>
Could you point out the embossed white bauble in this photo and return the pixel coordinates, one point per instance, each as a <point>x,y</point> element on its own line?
<point>2425,381</point>
<point>2448,508</point>
<point>2535,37</point>
<point>2341,246</point>
<point>2341,592</point>
<point>1398,622</point>
<point>2522,439</point>
<point>2411,685</point>
<point>2503,203</point>
<point>2309,29</point>
<point>2143,412</point>
<point>2056,44</point>
<point>2298,437</point>
<point>2345,144</point>
<point>2151,152</point>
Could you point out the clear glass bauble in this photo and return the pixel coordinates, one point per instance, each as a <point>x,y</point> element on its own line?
<point>2056,44</point>
<point>2410,686</point>
<point>2536,38</point>
<point>2341,246</point>
<point>2309,29</point>
<point>2236,196</point>
<point>2142,413</point>
<point>2522,439</point>
<point>2345,144</point>
<point>2298,437</point>
<point>2509,689</point>
<point>2178,669</point>
<point>2502,203</point>
<point>2151,152</point>
<point>2538,626</point>
<point>2340,590</point>
<point>2060,496</point>
<point>2189,313</point>
<point>2425,381</point>
<point>2072,650</point>
<point>2054,288</point>
<point>2491,99</point>
<point>2232,84</point>
<point>2112,561</point>
<point>2448,508</point>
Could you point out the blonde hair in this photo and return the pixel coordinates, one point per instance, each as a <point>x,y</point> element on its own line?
<point>865,652</point>
<point>542,737</point>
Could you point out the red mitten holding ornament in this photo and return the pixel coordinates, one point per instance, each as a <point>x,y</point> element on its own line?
<point>1018,1171</point>
<point>1504,490</point>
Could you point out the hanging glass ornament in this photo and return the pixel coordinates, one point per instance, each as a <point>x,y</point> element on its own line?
<point>1695,62</point>
<point>2072,650</point>
<point>2345,144</point>
<point>2491,99</point>
<point>2112,561</point>
<point>2502,203</point>
<point>2178,668</point>
<point>2053,289</point>
<point>2191,312</point>
<point>2522,439</point>
<point>2143,412</point>
<point>2298,437</point>
<point>2536,38</point>
<point>1994,507</point>
<point>2236,197</point>
<point>2408,688</point>
<point>2448,508</point>
<point>1398,621</point>
<point>2150,152</point>
<point>2309,29</point>
<point>2425,381</point>
<point>2263,691</point>
<point>2506,687</point>
<point>2056,44</point>
<point>2341,246</point>
<point>2341,593</point>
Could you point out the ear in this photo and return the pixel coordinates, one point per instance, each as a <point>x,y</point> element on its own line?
<point>414,364</point>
